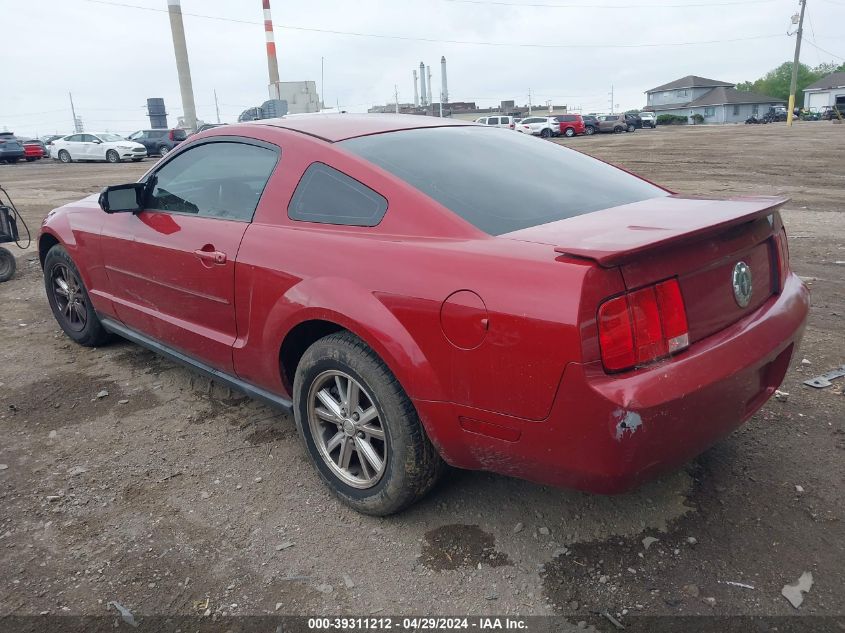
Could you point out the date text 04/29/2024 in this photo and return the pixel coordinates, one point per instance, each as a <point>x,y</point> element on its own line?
<point>416,623</point>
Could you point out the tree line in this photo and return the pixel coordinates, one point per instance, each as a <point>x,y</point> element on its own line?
<point>775,83</point>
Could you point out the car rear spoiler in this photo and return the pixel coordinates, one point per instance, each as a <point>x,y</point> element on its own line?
<point>613,236</point>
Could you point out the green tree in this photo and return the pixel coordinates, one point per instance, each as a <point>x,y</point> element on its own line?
<point>775,83</point>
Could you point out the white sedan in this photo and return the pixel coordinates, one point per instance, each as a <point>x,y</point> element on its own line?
<point>105,146</point>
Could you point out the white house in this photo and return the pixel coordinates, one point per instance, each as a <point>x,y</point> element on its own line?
<point>716,101</point>
<point>827,91</point>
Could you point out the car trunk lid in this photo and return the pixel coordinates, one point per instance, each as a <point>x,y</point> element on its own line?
<point>700,242</point>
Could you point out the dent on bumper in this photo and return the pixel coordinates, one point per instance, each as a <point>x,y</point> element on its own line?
<point>607,434</point>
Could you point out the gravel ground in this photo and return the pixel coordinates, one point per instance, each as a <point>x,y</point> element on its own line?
<point>171,491</point>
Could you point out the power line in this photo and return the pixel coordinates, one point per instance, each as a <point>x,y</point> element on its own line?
<point>814,45</point>
<point>443,41</point>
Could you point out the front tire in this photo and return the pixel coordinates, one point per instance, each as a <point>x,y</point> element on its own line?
<point>64,156</point>
<point>589,130</point>
<point>69,300</point>
<point>163,150</point>
<point>360,427</point>
<point>112,156</point>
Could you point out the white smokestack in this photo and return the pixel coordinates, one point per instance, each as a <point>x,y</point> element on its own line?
<point>444,88</point>
<point>423,100</point>
<point>416,91</point>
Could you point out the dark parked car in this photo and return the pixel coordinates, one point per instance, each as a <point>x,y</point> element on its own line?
<point>419,290</point>
<point>591,124</point>
<point>634,122</point>
<point>159,142</point>
<point>11,148</point>
<point>48,142</point>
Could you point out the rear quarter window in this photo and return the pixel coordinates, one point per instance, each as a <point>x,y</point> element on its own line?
<point>328,196</point>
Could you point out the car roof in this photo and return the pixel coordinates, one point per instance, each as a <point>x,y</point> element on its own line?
<point>339,127</point>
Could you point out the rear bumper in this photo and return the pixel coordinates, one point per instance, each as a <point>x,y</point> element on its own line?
<point>608,434</point>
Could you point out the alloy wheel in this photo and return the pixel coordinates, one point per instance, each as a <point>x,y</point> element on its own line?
<point>347,429</point>
<point>70,297</point>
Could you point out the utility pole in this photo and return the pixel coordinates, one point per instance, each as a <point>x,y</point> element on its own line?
<point>529,102</point>
<point>794,84</point>
<point>396,96</point>
<point>183,68</point>
<point>76,125</point>
<point>216,105</point>
<point>611,98</point>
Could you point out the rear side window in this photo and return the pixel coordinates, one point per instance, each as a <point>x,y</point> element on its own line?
<point>179,135</point>
<point>500,181</point>
<point>329,196</point>
<point>493,120</point>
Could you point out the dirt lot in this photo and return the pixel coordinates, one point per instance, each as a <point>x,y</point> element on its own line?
<point>170,490</point>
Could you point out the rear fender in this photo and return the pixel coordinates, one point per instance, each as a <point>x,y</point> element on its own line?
<point>352,307</point>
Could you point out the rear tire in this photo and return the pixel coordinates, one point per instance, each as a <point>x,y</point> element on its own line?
<point>410,465</point>
<point>64,156</point>
<point>7,264</point>
<point>617,129</point>
<point>112,156</point>
<point>569,133</point>
<point>546,133</point>
<point>69,300</point>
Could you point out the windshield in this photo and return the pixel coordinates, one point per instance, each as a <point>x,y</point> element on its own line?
<point>111,138</point>
<point>500,181</point>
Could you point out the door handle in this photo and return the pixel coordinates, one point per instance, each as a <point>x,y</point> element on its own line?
<point>212,257</point>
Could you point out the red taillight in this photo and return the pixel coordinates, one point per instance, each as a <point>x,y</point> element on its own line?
<point>171,135</point>
<point>615,334</point>
<point>673,315</point>
<point>642,326</point>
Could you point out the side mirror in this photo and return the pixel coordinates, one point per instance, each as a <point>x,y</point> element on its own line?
<point>122,198</point>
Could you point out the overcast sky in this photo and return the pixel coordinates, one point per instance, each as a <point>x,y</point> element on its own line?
<point>112,56</point>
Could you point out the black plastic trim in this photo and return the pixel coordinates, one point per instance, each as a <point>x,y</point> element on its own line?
<point>143,340</point>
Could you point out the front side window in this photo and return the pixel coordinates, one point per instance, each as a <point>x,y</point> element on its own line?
<point>135,135</point>
<point>499,181</point>
<point>220,179</point>
<point>328,196</point>
<point>88,138</point>
<point>493,120</point>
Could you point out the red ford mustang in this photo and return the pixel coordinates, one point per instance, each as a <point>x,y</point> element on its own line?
<point>421,292</point>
